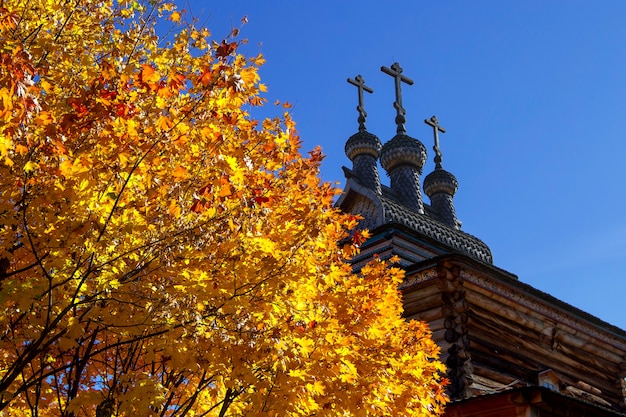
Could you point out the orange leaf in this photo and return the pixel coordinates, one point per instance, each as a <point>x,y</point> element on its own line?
<point>164,123</point>
<point>225,190</point>
<point>149,77</point>
<point>180,173</point>
<point>21,149</point>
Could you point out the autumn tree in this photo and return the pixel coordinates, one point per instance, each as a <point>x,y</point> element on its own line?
<point>162,252</point>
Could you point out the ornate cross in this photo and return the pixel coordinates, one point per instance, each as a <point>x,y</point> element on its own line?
<point>359,82</point>
<point>396,72</point>
<point>436,129</point>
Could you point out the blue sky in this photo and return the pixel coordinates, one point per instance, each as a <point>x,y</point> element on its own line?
<point>532,95</point>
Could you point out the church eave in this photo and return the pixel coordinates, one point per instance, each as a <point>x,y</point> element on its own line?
<point>504,279</point>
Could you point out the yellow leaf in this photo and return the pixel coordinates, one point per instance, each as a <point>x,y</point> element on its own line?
<point>174,209</point>
<point>317,388</point>
<point>30,166</point>
<point>265,244</point>
<point>297,373</point>
<point>305,344</point>
<point>175,17</point>
<point>258,60</point>
<point>249,76</point>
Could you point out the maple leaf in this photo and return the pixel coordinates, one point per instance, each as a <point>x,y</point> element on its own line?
<point>8,20</point>
<point>180,173</point>
<point>316,155</point>
<point>225,49</point>
<point>358,238</point>
<point>175,17</point>
<point>149,77</point>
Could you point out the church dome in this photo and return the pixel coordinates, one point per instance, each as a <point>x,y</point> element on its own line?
<point>363,143</point>
<point>401,150</point>
<point>440,181</point>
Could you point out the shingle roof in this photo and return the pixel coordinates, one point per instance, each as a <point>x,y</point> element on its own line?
<point>389,210</point>
<point>465,243</point>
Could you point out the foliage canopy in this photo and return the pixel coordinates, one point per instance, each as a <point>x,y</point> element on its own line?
<point>162,252</point>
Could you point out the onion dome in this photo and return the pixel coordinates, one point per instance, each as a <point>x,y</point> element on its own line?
<point>403,158</point>
<point>363,143</point>
<point>440,181</point>
<point>403,149</point>
<point>363,149</point>
<point>440,186</point>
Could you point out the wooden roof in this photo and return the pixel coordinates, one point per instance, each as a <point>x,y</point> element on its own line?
<point>497,333</point>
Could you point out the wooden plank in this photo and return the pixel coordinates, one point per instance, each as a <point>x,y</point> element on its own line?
<point>522,359</point>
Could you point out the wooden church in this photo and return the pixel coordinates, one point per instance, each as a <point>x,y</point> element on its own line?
<point>510,349</point>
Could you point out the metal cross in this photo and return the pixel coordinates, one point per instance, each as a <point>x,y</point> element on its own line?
<point>359,82</point>
<point>396,72</point>
<point>436,129</point>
